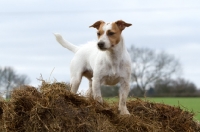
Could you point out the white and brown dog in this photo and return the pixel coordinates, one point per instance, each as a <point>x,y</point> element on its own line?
<point>105,61</point>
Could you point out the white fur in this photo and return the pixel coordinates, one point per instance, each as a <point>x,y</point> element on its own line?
<point>107,67</point>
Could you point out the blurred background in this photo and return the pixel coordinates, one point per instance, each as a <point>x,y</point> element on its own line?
<point>164,34</point>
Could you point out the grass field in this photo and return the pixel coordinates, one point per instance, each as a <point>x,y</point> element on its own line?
<point>189,104</point>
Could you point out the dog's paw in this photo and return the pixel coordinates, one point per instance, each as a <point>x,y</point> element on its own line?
<point>124,112</point>
<point>89,93</point>
<point>99,99</point>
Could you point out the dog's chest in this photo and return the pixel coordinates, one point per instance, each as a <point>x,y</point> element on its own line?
<point>112,76</point>
<point>110,80</point>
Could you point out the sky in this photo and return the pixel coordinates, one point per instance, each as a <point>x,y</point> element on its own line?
<point>28,45</point>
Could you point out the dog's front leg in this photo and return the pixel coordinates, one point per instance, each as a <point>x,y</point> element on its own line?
<point>123,94</point>
<point>96,90</point>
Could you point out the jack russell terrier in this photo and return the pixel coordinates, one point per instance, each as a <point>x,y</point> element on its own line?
<point>105,61</point>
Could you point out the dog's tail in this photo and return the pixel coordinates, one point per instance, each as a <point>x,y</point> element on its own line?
<point>66,44</point>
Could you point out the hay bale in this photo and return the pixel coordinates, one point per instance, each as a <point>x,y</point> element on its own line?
<point>45,87</point>
<point>56,109</point>
<point>16,112</point>
<point>168,118</point>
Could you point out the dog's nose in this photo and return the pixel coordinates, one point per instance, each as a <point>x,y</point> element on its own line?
<point>101,44</point>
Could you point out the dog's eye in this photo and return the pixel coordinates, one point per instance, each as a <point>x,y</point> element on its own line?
<point>110,33</point>
<point>98,34</point>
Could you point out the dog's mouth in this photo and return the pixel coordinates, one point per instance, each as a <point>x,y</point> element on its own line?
<point>102,48</point>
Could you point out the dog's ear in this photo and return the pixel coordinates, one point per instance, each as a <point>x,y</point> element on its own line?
<point>122,25</point>
<point>97,24</point>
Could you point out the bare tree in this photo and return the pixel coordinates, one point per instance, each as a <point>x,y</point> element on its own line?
<point>9,79</point>
<point>149,66</point>
<point>175,87</point>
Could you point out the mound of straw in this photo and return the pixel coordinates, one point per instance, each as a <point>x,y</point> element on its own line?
<point>55,109</point>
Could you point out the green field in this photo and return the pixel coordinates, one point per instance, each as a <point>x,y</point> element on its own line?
<point>189,104</point>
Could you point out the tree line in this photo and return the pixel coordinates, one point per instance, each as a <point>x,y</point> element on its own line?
<point>10,79</point>
<point>179,87</point>
<point>161,88</point>
<point>153,74</point>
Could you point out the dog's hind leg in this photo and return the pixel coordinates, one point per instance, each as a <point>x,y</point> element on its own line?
<point>76,74</point>
<point>89,91</point>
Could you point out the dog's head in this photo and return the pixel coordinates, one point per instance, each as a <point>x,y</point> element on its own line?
<point>109,34</point>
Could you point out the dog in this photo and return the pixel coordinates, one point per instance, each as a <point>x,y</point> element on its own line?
<point>103,62</point>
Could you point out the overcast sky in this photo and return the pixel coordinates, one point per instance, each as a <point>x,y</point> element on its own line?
<point>27,43</point>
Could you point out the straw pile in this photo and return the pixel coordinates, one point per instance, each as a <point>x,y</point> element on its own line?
<point>55,109</point>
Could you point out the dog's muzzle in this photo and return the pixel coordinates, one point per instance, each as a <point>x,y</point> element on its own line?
<point>101,45</point>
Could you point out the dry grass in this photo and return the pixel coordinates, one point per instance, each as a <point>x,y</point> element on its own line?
<point>55,109</point>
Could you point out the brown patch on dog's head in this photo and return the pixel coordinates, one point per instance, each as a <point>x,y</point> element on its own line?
<point>114,34</point>
<point>122,25</point>
<point>97,24</point>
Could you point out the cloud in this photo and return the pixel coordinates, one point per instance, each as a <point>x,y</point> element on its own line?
<point>27,42</point>
<point>189,56</point>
